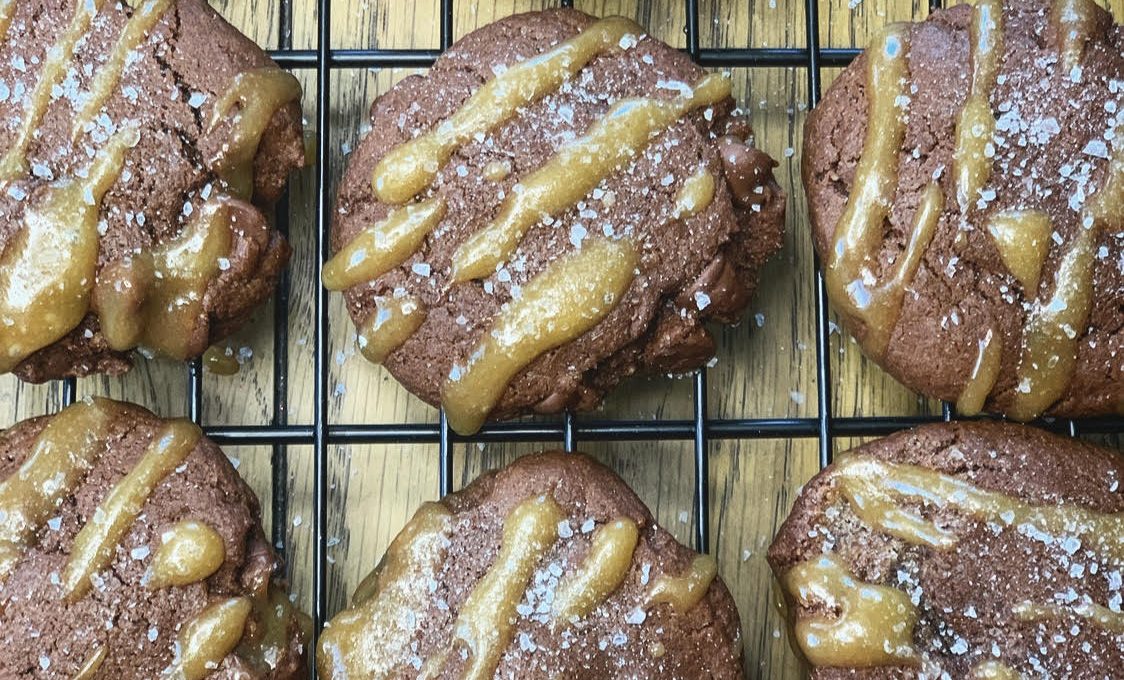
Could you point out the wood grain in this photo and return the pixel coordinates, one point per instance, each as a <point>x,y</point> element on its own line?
<point>766,365</point>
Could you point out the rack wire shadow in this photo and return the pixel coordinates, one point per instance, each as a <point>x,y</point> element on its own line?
<point>701,429</point>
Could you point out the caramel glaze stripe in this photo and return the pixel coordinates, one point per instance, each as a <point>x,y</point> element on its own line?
<point>208,638</point>
<point>976,123</point>
<point>14,162</point>
<point>89,670</point>
<point>258,94</point>
<point>1056,326</point>
<point>685,591</point>
<point>485,623</point>
<point>384,245</point>
<point>96,543</point>
<point>1074,21</point>
<point>109,74</point>
<point>611,142</point>
<point>601,572</point>
<point>1023,240</point>
<point>189,552</point>
<point>64,451</point>
<point>47,273</point>
<point>1104,617</point>
<point>695,195</point>
<point>398,584</point>
<point>873,626</point>
<point>412,166</point>
<point>985,372</point>
<point>571,296</point>
<point>858,236</point>
<point>384,330</point>
<point>876,491</point>
<point>995,670</point>
<point>7,11</point>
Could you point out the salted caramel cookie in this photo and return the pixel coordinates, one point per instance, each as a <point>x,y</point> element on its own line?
<point>965,177</point>
<point>130,548</point>
<point>139,144</point>
<point>958,550</point>
<point>548,568</point>
<point>559,203</point>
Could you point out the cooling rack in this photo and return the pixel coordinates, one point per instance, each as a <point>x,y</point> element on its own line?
<point>700,430</point>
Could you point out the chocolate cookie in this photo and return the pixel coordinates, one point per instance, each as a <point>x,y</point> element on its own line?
<point>959,551</point>
<point>559,203</point>
<point>549,568</point>
<point>131,549</point>
<point>965,177</point>
<point>140,142</point>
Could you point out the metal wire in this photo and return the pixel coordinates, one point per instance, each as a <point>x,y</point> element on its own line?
<point>280,434</point>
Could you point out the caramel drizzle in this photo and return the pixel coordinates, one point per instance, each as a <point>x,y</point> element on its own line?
<point>1074,21</point>
<point>568,298</point>
<point>95,544</point>
<point>208,638</point>
<point>220,361</point>
<point>189,552</point>
<point>64,451</point>
<point>976,124</point>
<point>685,591</point>
<point>858,236</point>
<point>984,374</point>
<point>874,624</point>
<point>1023,240</point>
<point>873,489</point>
<point>109,74</point>
<point>392,323</point>
<point>365,640</point>
<point>7,11</point>
<point>485,623</point>
<point>695,195</point>
<point>258,94</point>
<point>89,670</point>
<point>995,670</point>
<point>411,167</point>
<point>383,245</point>
<point>47,272</point>
<point>578,168</point>
<point>1104,617</point>
<point>14,162</point>
<point>1055,326</point>
<point>601,573</point>
<point>156,298</point>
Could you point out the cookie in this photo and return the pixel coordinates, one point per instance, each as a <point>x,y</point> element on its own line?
<point>559,203</point>
<point>958,550</point>
<point>965,177</point>
<point>140,144</point>
<point>548,568</point>
<point>130,548</point>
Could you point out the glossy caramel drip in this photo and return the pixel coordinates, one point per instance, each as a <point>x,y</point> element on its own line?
<point>497,171</point>
<point>269,634</point>
<point>383,245</point>
<point>866,625</point>
<point>600,573</point>
<point>155,299</point>
<point>685,591</point>
<point>1023,240</point>
<point>366,641</point>
<point>221,361</point>
<point>1056,325</point>
<point>258,94</point>
<point>485,623</point>
<point>995,670</point>
<point>985,372</point>
<point>7,11</point>
<point>976,123</point>
<point>189,552</point>
<point>89,670</point>
<point>695,195</point>
<point>47,272</point>
<point>578,167</point>
<point>13,164</point>
<point>1104,617</point>
<point>571,296</point>
<point>207,639</point>
<point>391,324</point>
<point>1074,20</point>
<point>64,451</point>
<point>108,74</point>
<point>412,166</point>
<point>96,543</point>
<point>877,490</point>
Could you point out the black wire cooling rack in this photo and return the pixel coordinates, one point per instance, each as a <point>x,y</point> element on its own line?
<point>280,434</point>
